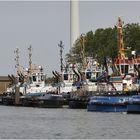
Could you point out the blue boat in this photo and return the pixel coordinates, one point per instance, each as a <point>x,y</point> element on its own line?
<point>108,103</point>
<point>133,105</point>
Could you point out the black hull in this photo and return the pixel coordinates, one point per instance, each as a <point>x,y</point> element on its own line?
<point>43,103</point>
<point>133,112</point>
<point>77,104</point>
<point>27,102</point>
<point>8,101</point>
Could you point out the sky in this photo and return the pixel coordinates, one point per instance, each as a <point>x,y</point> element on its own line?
<point>44,24</point>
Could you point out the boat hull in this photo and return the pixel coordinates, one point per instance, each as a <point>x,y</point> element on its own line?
<point>106,108</point>
<point>43,103</point>
<point>78,104</point>
<point>133,108</point>
<point>42,100</point>
<point>108,103</point>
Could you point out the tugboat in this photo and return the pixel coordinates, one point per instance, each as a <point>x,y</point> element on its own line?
<point>65,78</point>
<point>126,81</point>
<point>38,93</point>
<point>87,73</point>
<point>77,81</point>
<point>35,92</point>
<point>12,94</point>
<point>86,84</point>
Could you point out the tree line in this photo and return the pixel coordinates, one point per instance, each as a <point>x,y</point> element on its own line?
<point>104,43</point>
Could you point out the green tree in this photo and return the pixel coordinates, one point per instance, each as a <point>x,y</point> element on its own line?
<point>132,36</point>
<point>103,43</point>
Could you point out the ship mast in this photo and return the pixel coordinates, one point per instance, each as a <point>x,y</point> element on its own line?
<point>17,61</point>
<point>121,49</point>
<point>82,39</point>
<point>61,55</point>
<point>30,59</point>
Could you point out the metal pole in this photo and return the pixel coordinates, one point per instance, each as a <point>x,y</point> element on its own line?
<point>82,38</point>
<point>17,61</point>
<point>61,55</point>
<point>30,59</point>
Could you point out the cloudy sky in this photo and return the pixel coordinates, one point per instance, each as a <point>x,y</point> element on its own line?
<point>44,24</point>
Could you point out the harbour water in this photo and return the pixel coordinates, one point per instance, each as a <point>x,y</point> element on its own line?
<point>40,123</point>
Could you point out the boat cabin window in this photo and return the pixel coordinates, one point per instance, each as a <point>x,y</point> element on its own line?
<point>65,76</point>
<point>88,75</point>
<point>97,74</point>
<point>34,78</point>
<point>42,78</point>
<point>30,79</point>
<point>124,69</point>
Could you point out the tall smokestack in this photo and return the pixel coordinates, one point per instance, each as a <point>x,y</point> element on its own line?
<point>74,31</point>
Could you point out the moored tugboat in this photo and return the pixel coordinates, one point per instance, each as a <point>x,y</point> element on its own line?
<point>85,84</point>
<point>38,94</point>
<point>126,81</point>
<point>29,88</point>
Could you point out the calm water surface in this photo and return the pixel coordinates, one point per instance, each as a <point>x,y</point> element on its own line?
<point>39,123</point>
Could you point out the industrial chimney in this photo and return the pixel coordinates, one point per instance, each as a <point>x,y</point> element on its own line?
<point>74,19</point>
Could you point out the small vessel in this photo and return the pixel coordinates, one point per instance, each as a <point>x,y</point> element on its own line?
<point>85,84</point>
<point>126,66</point>
<point>32,84</point>
<point>124,80</point>
<point>76,81</point>
<point>133,105</point>
<point>38,93</point>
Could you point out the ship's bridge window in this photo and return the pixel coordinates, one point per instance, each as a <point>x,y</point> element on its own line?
<point>34,78</point>
<point>30,80</point>
<point>65,76</point>
<point>42,77</point>
<point>88,75</point>
<point>124,69</point>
